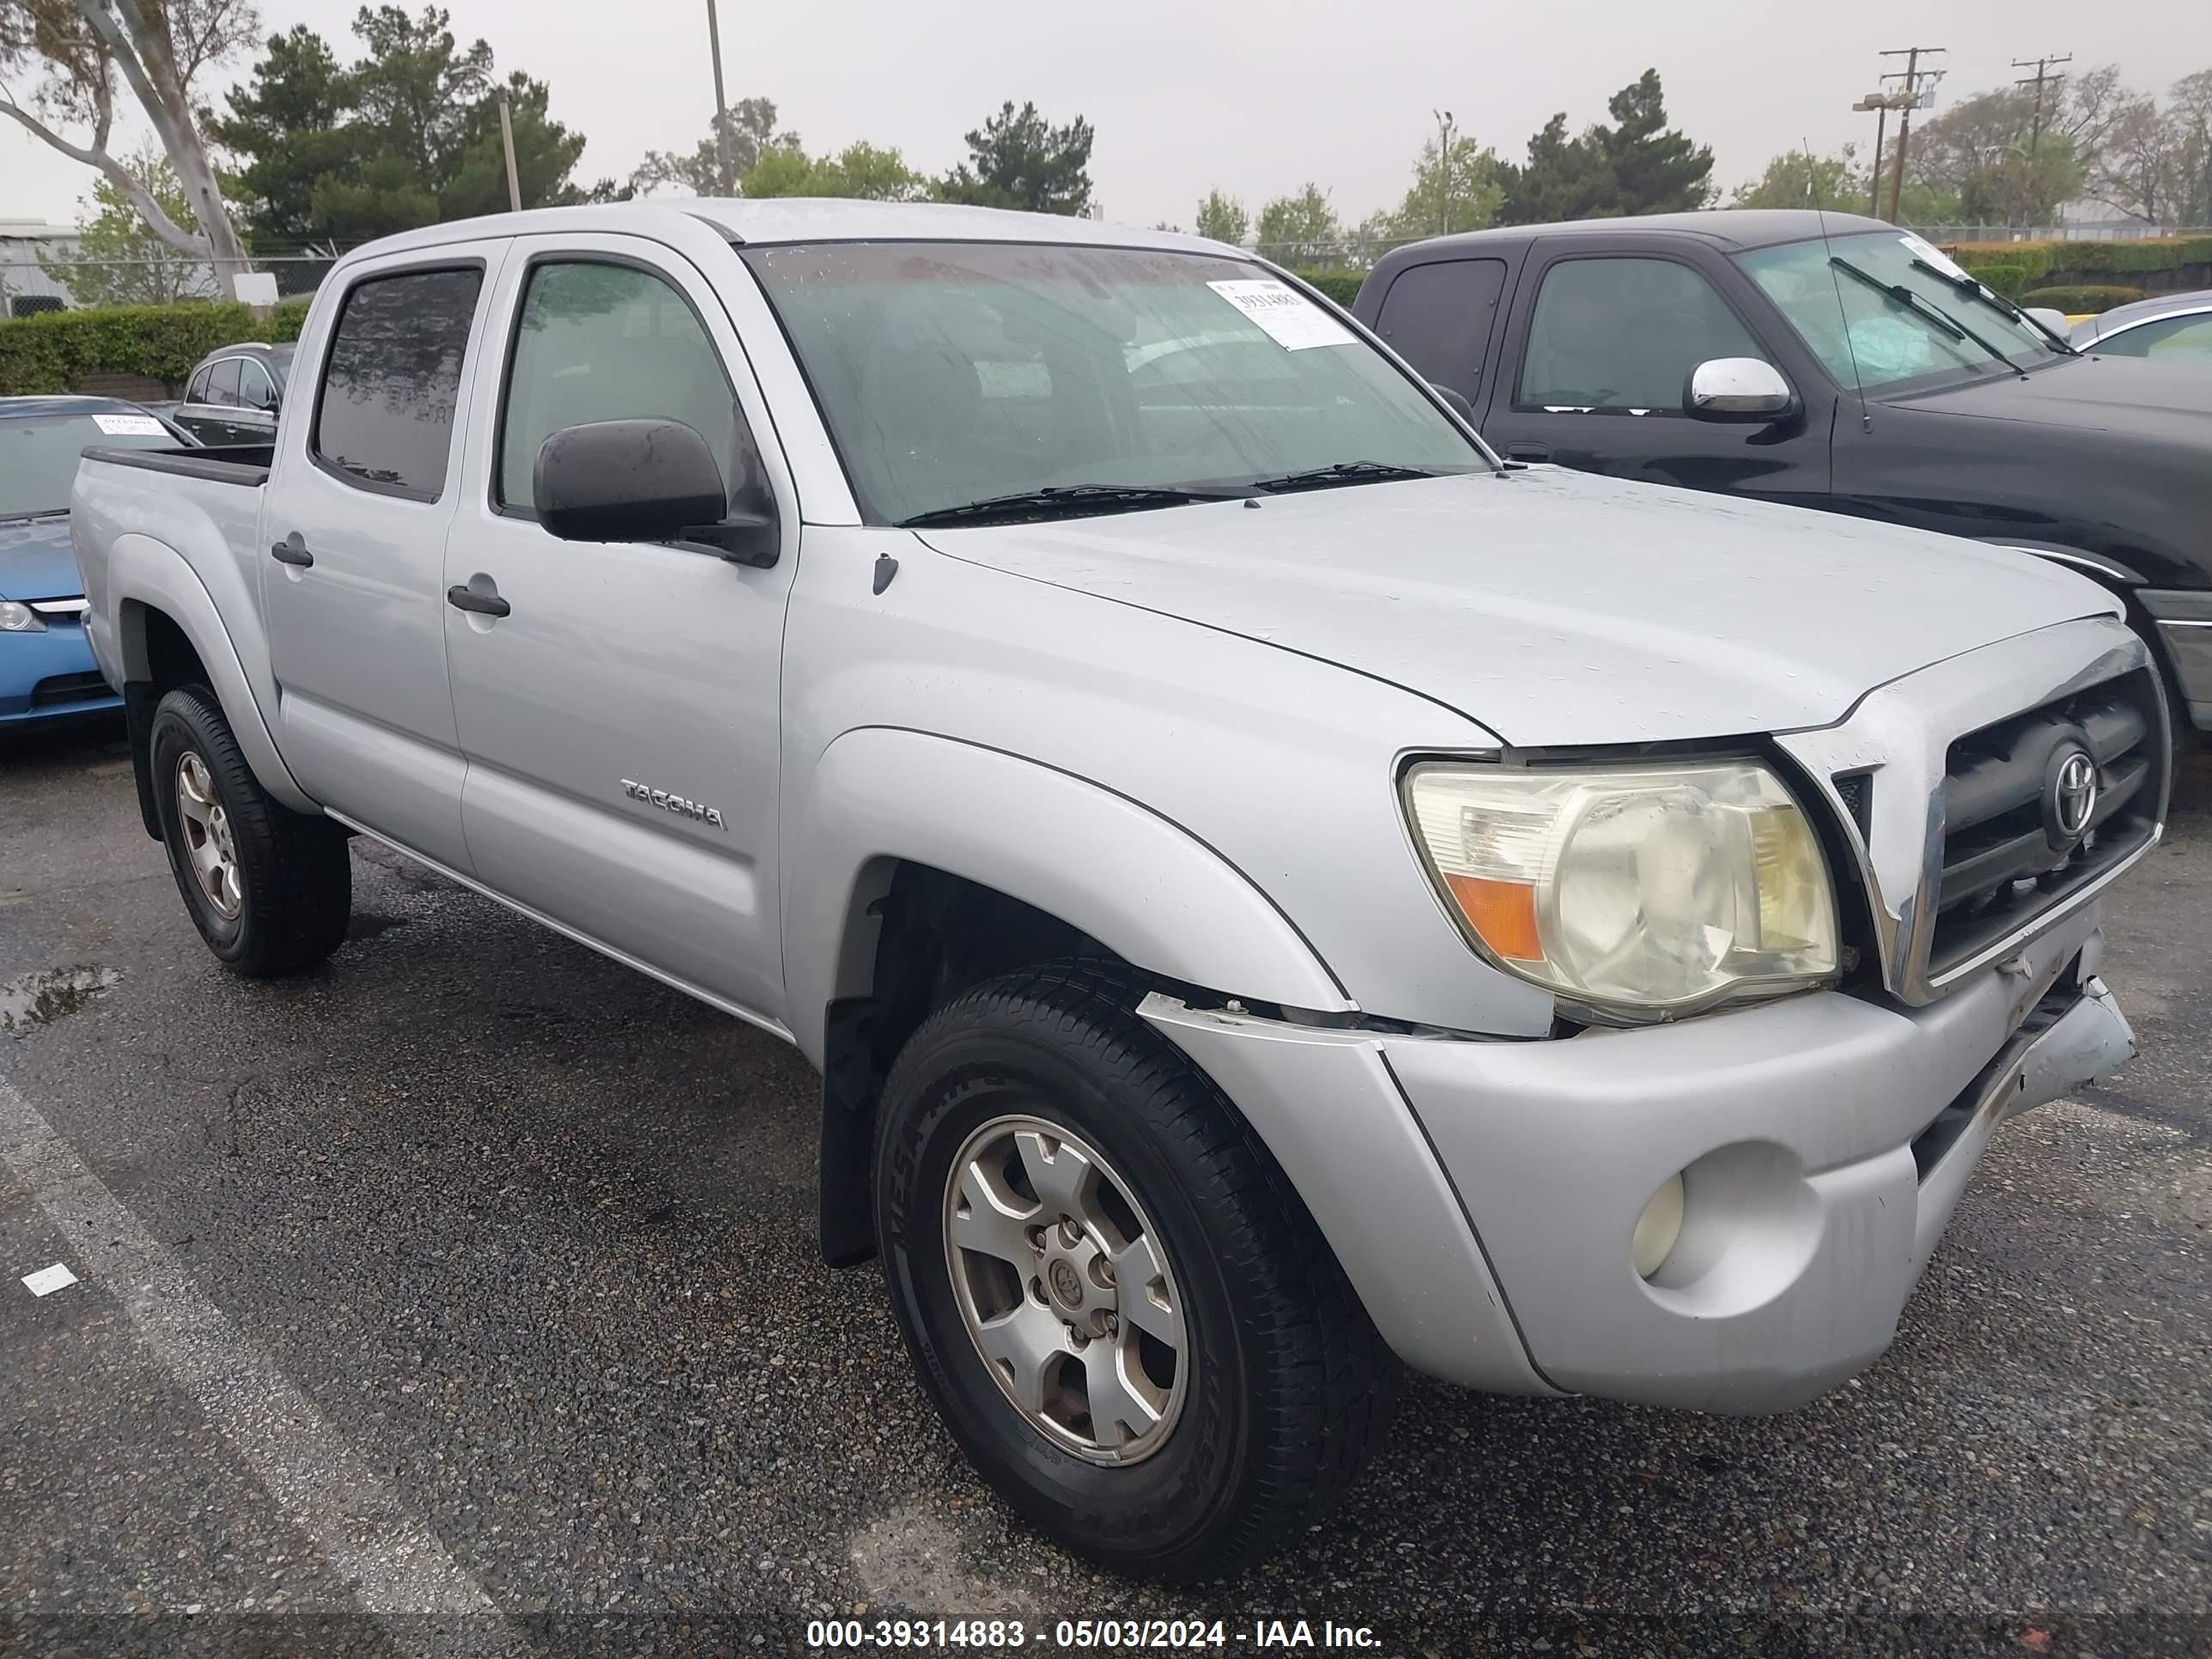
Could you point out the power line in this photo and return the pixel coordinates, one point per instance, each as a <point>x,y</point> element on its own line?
<point>1912,98</point>
<point>2042,74</point>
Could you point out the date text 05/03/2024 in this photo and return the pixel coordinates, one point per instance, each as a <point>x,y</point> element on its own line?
<point>1086,1634</point>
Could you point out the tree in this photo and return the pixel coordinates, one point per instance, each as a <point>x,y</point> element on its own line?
<point>1466,196</point>
<point>1018,159</point>
<point>1302,230</point>
<point>1656,168</point>
<point>2139,169</point>
<point>119,259</point>
<point>78,49</point>
<point>289,122</point>
<point>1223,218</point>
<point>406,135</point>
<point>862,170</point>
<point>1564,179</point>
<point>749,126</point>
<point>1836,183</point>
<point>2190,100</point>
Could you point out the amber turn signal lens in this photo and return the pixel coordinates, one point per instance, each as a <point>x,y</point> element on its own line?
<point>1502,912</point>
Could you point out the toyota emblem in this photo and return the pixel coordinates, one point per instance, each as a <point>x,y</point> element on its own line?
<point>2069,799</point>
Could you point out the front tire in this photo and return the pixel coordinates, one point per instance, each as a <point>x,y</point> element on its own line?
<point>270,890</point>
<point>1113,1296</point>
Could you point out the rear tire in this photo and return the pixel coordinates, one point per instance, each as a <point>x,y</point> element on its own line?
<point>1280,1388</point>
<point>270,890</point>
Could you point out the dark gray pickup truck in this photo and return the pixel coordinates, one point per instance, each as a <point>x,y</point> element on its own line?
<point>1824,360</point>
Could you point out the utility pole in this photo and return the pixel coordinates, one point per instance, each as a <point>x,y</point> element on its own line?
<point>1912,76</point>
<point>506,140</point>
<point>1443,156</point>
<point>2042,74</point>
<point>721,109</point>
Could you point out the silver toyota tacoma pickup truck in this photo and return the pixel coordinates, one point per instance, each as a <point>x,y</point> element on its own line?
<point>1273,892</point>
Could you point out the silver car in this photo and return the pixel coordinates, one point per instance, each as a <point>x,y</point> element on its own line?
<point>1273,893</point>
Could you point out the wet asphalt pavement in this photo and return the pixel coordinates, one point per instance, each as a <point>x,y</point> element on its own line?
<point>462,1297</point>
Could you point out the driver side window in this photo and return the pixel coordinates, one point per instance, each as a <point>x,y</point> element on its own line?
<point>1623,334</point>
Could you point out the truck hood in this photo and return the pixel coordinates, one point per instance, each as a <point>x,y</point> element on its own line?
<point>35,560</point>
<point>2131,396</point>
<point>1559,608</point>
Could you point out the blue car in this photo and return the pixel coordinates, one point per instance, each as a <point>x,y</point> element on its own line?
<point>46,671</point>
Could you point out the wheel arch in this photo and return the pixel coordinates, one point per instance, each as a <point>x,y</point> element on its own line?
<point>168,625</point>
<point>930,864</point>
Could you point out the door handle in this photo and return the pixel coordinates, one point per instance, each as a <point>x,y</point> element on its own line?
<point>484,605</point>
<point>293,550</point>
<point>1528,452</point>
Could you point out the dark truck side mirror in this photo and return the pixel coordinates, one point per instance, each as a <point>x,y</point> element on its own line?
<point>647,481</point>
<point>1738,389</point>
<point>1455,399</point>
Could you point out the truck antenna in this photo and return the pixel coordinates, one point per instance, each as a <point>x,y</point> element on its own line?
<point>1813,191</point>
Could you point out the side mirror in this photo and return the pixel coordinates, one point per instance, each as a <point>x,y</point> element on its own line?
<point>2052,319</point>
<point>1455,400</point>
<point>633,481</point>
<point>1738,389</point>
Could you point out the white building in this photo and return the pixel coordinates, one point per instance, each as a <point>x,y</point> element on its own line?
<point>21,276</point>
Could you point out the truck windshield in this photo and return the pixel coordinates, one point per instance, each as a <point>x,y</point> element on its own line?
<point>958,373</point>
<point>1884,312</point>
<point>38,455</point>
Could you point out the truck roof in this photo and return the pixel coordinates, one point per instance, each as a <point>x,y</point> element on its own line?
<point>806,219</point>
<point>1735,229</point>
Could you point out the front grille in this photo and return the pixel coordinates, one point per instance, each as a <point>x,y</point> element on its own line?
<point>67,688</point>
<point>2005,860</point>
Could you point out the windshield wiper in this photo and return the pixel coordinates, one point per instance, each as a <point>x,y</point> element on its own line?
<point>1341,472</point>
<point>1068,502</point>
<point>1921,306</point>
<point>1996,302</point>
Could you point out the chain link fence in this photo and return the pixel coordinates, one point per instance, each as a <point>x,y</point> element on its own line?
<point>57,281</point>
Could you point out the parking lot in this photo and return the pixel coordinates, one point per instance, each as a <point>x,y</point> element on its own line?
<point>463,1296</point>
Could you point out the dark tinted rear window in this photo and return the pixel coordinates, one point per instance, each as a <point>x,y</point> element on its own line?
<point>1437,317</point>
<point>384,418</point>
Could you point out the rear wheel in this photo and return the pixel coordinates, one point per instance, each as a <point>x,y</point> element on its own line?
<point>1118,1306</point>
<point>270,890</point>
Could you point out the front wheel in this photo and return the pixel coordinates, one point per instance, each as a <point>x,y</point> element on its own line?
<point>1113,1296</point>
<point>270,890</point>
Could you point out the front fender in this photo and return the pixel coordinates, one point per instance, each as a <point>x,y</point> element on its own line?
<point>143,573</point>
<point>1134,881</point>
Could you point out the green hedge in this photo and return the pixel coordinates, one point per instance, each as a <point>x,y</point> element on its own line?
<point>1341,286</point>
<point>2078,298</point>
<point>2039,260</point>
<point>2004,278</point>
<point>55,350</point>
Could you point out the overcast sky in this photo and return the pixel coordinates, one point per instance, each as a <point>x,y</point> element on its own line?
<point>1256,96</point>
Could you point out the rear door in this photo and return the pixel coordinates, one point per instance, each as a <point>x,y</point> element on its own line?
<point>211,405</point>
<point>1439,316</point>
<point>620,720</point>
<point>1601,338</point>
<point>353,579</point>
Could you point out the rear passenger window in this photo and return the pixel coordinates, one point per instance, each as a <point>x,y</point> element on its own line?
<point>223,382</point>
<point>1437,317</point>
<point>607,342</point>
<point>384,416</point>
<point>196,392</point>
<point>1625,334</point>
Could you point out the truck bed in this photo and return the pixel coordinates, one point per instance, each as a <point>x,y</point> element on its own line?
<point>229,464</point>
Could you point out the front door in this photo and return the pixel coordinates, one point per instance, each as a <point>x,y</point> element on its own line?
<point>1603,345</point>
<point>353,579</point>
<point>620,719</point>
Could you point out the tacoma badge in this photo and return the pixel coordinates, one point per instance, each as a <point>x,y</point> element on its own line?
<point>668,803</point>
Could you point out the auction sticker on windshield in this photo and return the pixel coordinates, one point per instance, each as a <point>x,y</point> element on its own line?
<point>128,426</point>
<point>1288,319</point>
<point>1934,255</point>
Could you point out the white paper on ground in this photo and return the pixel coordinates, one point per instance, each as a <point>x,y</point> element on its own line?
<point>130,426</point>
<point>1288,319</point>
<point>47,1280</point>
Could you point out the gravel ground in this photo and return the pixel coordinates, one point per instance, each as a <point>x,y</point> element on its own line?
<point>497,1261</point>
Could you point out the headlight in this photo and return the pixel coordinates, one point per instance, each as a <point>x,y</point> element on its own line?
<point>19,619</point>
<point>1640,891</point>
